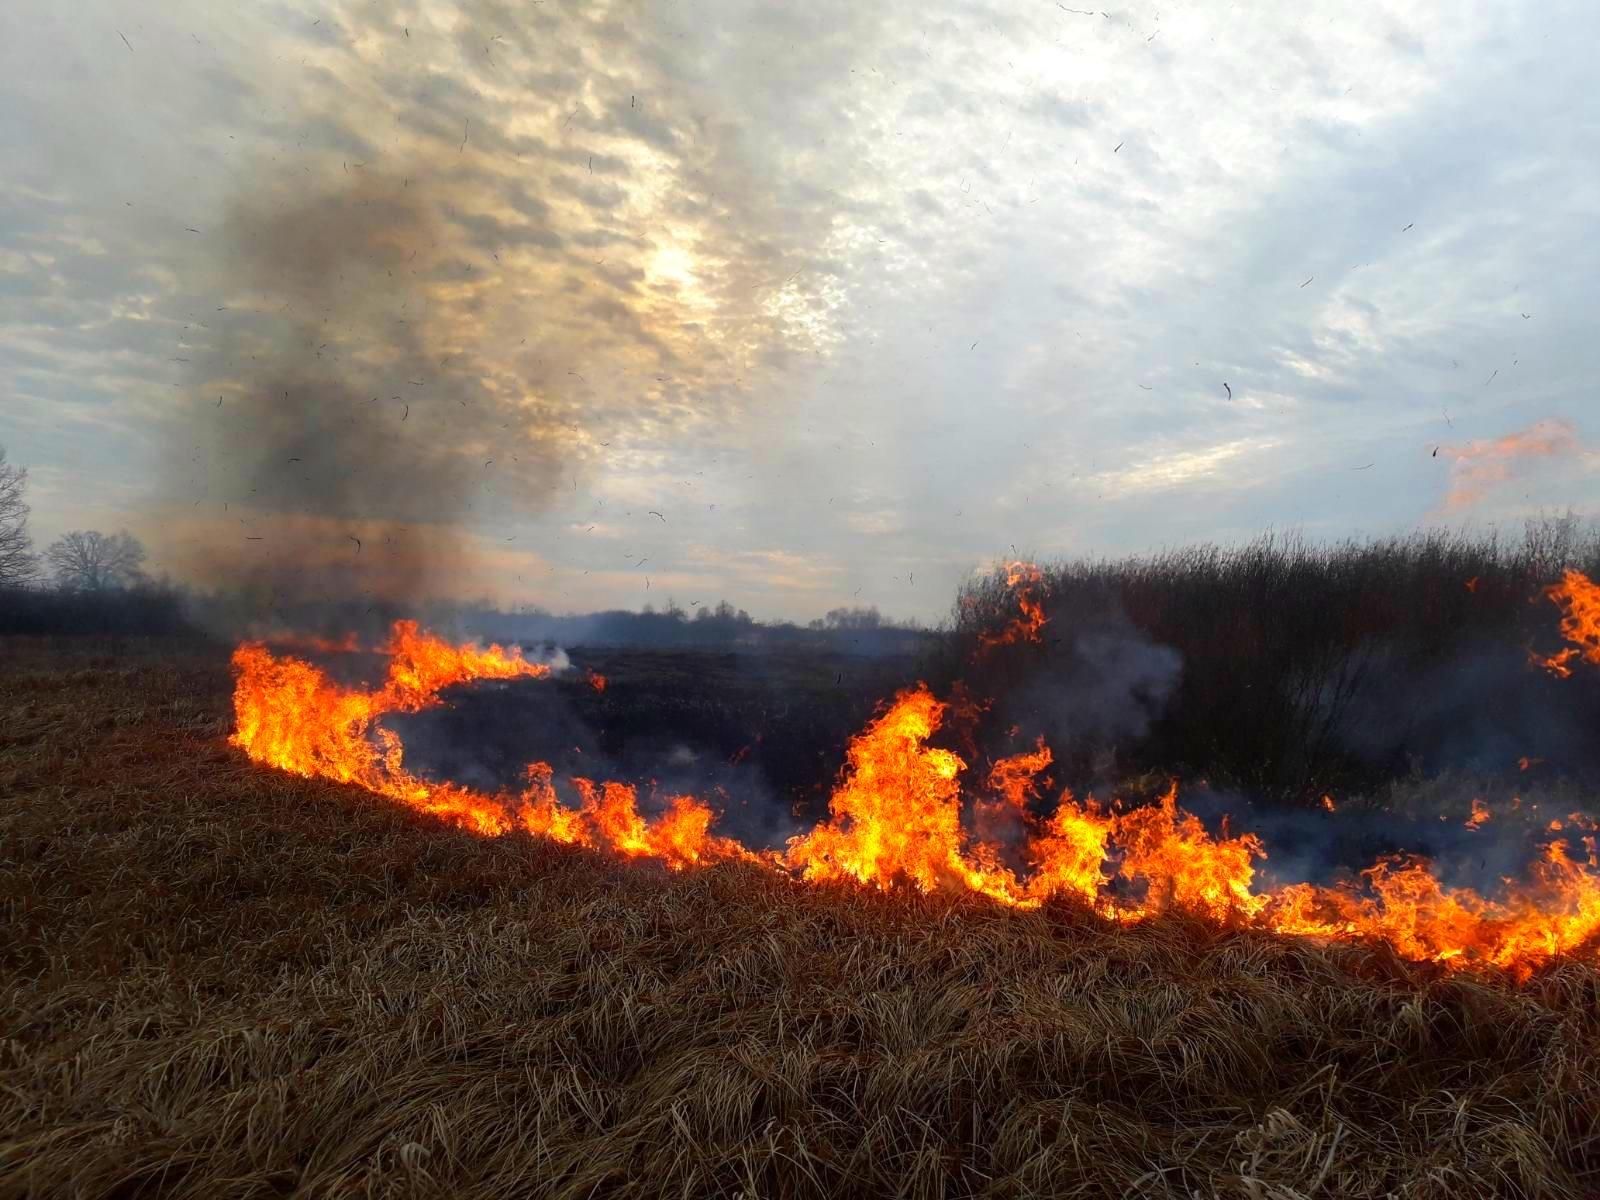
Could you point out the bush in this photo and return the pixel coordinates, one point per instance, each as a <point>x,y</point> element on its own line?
<point>1309,667</point>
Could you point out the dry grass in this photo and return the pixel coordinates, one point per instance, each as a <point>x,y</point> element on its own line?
<point>224,982</point>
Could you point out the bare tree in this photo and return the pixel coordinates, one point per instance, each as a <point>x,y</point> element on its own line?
<point>91,561</point>
<point>854,618</point>
<point>17,562</point>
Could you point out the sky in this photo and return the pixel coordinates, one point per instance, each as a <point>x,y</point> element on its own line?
<point>596,304</point>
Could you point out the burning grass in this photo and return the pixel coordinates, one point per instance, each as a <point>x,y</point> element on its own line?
<point>227,981</point>
<point>897,817</point>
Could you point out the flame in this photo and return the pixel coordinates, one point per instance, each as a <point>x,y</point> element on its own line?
<point>1557,912</point>
<point>898,819</point>
<point>1327,803</point>
<point>1578,597</point>
<point>896,814</point>
<point>1022,578</point>
<point>1183,866</point>
<point>597,681</point>
<point>290,715</point>
<point>1069,854</point>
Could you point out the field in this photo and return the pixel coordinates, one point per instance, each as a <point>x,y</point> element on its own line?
<point>225,981</point>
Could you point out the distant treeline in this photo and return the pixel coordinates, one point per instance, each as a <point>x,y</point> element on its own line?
<point>853,630</point>
<point>159,609</point>
<point>144,610</point>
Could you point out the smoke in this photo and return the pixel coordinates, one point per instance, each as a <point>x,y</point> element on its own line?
<point>1105,686</point>
<point>351,423</point>
<point>1481,709</point>
<point>1428,820</point>
<point>494,266</point>
<point>484,735</point>
<point>1479,467</point>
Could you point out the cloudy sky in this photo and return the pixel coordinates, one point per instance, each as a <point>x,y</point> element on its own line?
<point>596,303</point>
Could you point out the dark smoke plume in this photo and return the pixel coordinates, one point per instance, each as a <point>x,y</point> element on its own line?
<point>348,420</point>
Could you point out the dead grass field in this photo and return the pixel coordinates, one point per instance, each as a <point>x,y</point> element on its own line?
<point>223,982</point>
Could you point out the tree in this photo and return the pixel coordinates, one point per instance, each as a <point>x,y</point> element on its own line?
<point>91,561</point>
<point>17,562</point>
<point>854,619</point>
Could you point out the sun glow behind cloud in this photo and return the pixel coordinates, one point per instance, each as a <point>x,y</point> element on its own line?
<point>848,295</point>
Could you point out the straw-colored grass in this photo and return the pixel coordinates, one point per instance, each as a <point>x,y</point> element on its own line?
<point>220,981</point>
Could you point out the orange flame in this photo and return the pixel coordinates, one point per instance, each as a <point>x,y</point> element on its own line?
<point>1557,912</point>
<point>896,819</point>
<point>1022,578</point>
<point>1578,597</point>
<point>597,681</point>
<point>896,814</point>
<point>289,715</point>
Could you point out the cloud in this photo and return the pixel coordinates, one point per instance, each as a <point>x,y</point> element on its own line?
<point>728,263</point>
<point>365,366</point>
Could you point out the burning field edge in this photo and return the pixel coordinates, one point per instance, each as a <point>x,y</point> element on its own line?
<point>905,812</point>
<point>223,981</point>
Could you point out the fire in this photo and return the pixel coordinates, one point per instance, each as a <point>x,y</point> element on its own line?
<point>1557,912</point>
<point>1183,866</point>
<point>904,814</point>
<point>1578,597</point>
<point>1069,853</point>
<point>597,681</point>
<point>1022,578</point>
<point>1480,815</point>
<point>290,715</point>
<point>896,814</point>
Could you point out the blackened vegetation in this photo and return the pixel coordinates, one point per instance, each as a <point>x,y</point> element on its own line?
<point>762,735</point>
<point>704,626</point>
<point>1286,669</point>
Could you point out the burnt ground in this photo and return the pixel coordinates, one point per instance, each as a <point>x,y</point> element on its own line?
<point>763,736</point>
<point>763,733</point>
